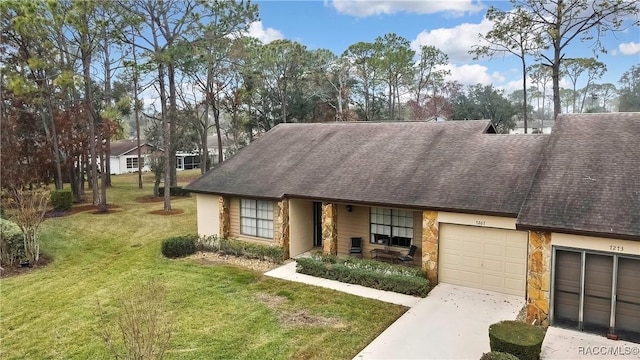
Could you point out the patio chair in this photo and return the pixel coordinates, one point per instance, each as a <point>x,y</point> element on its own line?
<point>409,257</point>
<point>356,247</point>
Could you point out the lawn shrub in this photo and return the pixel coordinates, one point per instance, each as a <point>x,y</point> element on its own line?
<point>141,326</point>
<point>61,199</point>
<point>241,248</point>
<point>497,355</point>
<point>174,191</point>
<point>179,246</point>
<point>11,243</point>
<point>362,272</point>
<point>517,338</point>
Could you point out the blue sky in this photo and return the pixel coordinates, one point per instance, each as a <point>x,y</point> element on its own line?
<point>452,26</point>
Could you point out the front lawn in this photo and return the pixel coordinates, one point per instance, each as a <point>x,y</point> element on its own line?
<point>220,312</point>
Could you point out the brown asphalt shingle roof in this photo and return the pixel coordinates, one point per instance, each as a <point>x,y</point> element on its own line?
<point>122,147</point>
<point>442,166</point>
<point>589,178</point>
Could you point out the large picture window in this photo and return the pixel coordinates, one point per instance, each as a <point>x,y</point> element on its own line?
<point>391,227</point>
<point>132,163</point>
<point>256,218</point>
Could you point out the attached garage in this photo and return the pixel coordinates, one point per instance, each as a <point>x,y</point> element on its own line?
<point>596,291</point>
<point>482,257</point>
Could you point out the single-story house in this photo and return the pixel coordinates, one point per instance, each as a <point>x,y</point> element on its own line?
<point>552,218</point>
<point>186,160</point>
<point>124,156</point>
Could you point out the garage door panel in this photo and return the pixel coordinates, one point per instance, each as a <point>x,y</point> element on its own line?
<point>485,258</point>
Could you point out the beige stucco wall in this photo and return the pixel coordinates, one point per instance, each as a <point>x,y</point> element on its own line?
<point>300,226</point>
<point>234,229</point>
<point>477,220</point>
<point>596,243</point>
<point>208,214</point>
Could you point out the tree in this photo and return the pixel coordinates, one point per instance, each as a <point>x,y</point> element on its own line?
<point>428,75</point>
<point>605,93</point>
<point>514,33</point>
<point>574,68</point>
<point>30,207</point>
<point>362,57</point>
<point>629,90</point>
<point>540,76</point>
<point>395,63</point>
<point>563,22</point>
<point>485,102</point>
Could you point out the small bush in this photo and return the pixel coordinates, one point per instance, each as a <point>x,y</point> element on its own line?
<point>520,339</point>
<point>362,272</point>
<point>11,243</point>
<point>174,191</point>
<point>497,355</point>
<point>179,246</point>
<point>62,199</point>
<point>241,248</point>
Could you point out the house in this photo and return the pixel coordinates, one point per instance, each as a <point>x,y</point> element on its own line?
<point>186,160</point>
<point>552,218</point>
<point>124,156</point>
<point>534,126</point>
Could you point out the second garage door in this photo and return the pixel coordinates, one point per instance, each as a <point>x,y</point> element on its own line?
<point>484,258</point>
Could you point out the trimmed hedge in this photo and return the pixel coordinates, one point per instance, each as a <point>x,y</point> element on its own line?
<point>179,246</point>
<point>11,243</point>
<point>174,191</point>
<point>241,248</point>
<point>517,338</point>
<point>497,355</point>
<point>362,272</point>
<point>62,199</point>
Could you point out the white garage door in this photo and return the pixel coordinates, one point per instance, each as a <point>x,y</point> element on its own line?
<point>483,258</point>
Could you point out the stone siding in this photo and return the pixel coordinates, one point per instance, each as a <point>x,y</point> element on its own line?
<point>225,216</point>
<point>430,245</point>
<point>281,226</point>
<point>538,277</point>
<point>330,228</point>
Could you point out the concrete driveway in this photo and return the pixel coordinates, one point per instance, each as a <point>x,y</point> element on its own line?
<point>451,323</point>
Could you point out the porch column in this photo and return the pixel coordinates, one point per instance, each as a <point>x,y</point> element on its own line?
<point>430,245</point>
<point>225,217</point>
<point>538,277</point>
<point>329,228</point>
<point>281,226</point>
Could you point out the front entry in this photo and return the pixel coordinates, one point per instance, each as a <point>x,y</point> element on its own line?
<point>317,224</point>
<point>597,292</point>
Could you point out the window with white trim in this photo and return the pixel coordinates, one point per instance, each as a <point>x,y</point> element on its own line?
<point>391,227</point>
<point>256,218</point>
<point>132,163</point>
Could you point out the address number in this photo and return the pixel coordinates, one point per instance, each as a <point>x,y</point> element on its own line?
<point>481,222</point>
<point>616,248</point>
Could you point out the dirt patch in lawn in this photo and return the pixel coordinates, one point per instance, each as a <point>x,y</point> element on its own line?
<point>305,318</point>
<point>17,269</point>
<point>272,301</point>
<point>166,212</point>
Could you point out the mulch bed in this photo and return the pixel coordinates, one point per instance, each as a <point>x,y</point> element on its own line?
<point>81,208</point>
<point>17,269</point>
<point>147,199</point>
<point>163,212</point>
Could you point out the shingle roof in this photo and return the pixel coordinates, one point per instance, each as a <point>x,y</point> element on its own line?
<point>589,178</point>
<point>121,147</point>
<point>446,165</point>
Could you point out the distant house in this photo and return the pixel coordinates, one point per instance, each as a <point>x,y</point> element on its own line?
<point>553,218</point>
<point>186,160</point>
<point>533,127</point>
<point>124,156</point>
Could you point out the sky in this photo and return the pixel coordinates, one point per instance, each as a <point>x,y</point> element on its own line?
<point>452,26</point>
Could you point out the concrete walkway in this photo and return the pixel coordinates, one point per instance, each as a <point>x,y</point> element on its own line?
<point>451,323</point>
<point>288,272</point>
<point>571,344</point>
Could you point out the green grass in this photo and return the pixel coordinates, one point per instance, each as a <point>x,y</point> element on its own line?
<point>50,313</point>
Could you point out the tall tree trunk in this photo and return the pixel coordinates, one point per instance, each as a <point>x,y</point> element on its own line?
<point>107,100</point>
<point>524,93</point>
<point>136,111</point>
<point>85,54</point>
<point>555,74</point>
<point>166,125</point>
<point>173,107</point>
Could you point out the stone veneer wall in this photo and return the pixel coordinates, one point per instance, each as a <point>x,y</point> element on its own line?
<point>538,277</point>
<point>430,245</point>
<point>225,216</point>
<point>281,226</point>
<point>330,228</point>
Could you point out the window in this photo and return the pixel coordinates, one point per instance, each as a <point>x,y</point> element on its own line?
<point>132,163</point>
<point>256,218</point>
<point>391,227</point>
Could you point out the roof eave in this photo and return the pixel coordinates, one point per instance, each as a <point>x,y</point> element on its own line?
<point>527,227</point>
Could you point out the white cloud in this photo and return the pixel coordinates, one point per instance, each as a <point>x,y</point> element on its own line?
<point>364,8</point>
<point>455,42</point>
<point>630,48</point>
<point>257,30</point>
<point>472,74</point>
